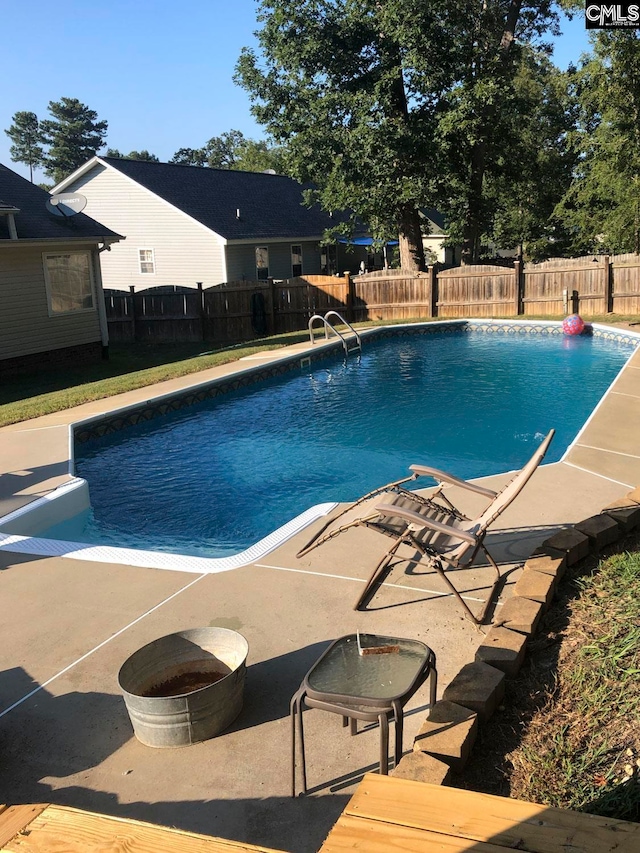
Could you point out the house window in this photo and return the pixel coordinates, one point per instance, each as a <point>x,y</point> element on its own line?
<point>262,263</point>
<point>328,259</point>
<point>147,261</point>
<point>69,281</point>
<point>296,260</point>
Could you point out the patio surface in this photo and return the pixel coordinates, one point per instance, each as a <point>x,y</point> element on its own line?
<point>69,624</point>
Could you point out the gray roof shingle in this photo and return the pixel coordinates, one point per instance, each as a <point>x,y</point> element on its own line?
<point>34,220</point>
<point>271,206</point>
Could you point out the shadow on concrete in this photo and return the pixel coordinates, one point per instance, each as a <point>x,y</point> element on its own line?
<point>37,740</point>
<point>55,737</point>
<point>270,685</point>
<point>11,559</point>
<point>12,483</point>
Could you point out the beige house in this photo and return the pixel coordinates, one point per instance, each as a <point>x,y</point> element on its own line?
<point>51,300</point>
<point>434,235</point>
<point>190,224</point>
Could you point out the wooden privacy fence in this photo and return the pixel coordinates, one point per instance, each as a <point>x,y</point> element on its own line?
<point>226,313</point>
<point>243,310</point>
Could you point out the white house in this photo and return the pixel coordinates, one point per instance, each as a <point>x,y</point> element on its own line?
<point>189,224</point>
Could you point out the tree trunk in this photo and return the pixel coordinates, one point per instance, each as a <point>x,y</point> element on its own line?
<point>410,239</point>
<point>473,218</point>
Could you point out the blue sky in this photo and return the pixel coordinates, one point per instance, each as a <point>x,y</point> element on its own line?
<point>159,71</point>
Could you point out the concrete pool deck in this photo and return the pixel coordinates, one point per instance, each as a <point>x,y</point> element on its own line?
<point>69,624</point>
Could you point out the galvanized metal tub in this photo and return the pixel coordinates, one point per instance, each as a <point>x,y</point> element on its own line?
<point>174,663</point>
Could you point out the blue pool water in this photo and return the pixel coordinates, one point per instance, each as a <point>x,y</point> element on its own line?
<point>218,476</point>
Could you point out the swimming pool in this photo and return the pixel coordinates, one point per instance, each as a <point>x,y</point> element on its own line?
<point>214,478</point>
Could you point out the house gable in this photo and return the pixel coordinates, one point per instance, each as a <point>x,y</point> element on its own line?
<point>183,251</point>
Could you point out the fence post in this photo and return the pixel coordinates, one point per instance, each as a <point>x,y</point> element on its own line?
<point>201,309</point>
<point>132,303</point>
<point>433,290</point>
<point>608,285</point>
<point>575,302</point>
<point>348,296</point>
<point>272,305</point>
<point>517,271</point>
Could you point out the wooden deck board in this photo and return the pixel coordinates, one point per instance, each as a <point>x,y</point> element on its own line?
<point>58,829</point>
<point>465,820</point>
<point>368,836</point>
<point>13,819</point>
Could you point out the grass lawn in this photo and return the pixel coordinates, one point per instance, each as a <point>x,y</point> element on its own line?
<point>568,733</point>
<point>129,366</point>
<point>138,365</point>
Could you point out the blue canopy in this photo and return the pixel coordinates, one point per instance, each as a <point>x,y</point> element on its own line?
<point>363,241</point>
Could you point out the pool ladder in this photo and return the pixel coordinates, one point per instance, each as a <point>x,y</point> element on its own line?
<point>349,344</point>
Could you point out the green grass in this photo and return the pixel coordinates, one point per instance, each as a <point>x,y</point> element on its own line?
<point>132,366</point>
<point>582,750</point>
<point>129,367</point>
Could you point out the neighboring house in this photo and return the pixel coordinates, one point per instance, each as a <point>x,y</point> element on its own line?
<point>51,300</point>
<point>433,241</point>
<point>189,224</point>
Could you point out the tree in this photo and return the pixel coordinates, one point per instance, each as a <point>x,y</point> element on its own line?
<point>480,125</point>
<point>602,206</point>
<point>351,89</point>
<point>189,157</point>
<point>527,174</point>
<point>26,135</point>
<point>384,105</point>
<point>132,155</point>
<point>73,135</point>
<point>232,150</point>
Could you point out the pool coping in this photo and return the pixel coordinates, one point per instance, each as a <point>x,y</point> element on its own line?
<point>112,418</point>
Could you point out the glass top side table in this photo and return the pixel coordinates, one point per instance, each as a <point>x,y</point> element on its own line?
<point>364,677</point>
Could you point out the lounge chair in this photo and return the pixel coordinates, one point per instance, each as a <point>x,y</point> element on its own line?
<point>444,537</point>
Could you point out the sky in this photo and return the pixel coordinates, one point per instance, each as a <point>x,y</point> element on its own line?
<point>159,71</point>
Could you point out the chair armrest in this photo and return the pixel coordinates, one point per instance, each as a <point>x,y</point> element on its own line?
<point>391,511</point>
<point>443,477</point>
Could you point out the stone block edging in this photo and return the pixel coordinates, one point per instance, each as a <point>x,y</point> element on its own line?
<point>446,738</point>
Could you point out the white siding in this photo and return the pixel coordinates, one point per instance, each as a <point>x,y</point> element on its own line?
<point>185,252</point>
<point>25,324</point>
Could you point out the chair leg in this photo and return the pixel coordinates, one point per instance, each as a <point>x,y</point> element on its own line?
<point>442,572</point>
<point>377,575</point>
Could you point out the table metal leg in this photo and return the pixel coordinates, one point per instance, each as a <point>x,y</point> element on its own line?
<point>398,715</point>
<point>433,683</point>
<point>303,760</point>
<point>384,744</point>
<point>293,710</point>
<point>296,722</point>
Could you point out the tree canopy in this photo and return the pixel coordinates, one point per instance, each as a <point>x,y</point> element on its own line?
<point>232,150</point>
<point>391,107</point>
<point>132,155</point>
<point>27,140</point>
<point>73,135</point>
<point>601,208</point>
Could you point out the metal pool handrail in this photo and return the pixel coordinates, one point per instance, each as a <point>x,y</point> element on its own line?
<point>329,326</point>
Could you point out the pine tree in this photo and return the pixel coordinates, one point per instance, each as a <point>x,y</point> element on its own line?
<point>26,135</point>
<point>73,135</point>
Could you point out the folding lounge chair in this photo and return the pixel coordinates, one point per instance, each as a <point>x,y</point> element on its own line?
<point>444,537</point>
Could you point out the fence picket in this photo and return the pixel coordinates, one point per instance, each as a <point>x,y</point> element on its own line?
<point>243,310</point>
